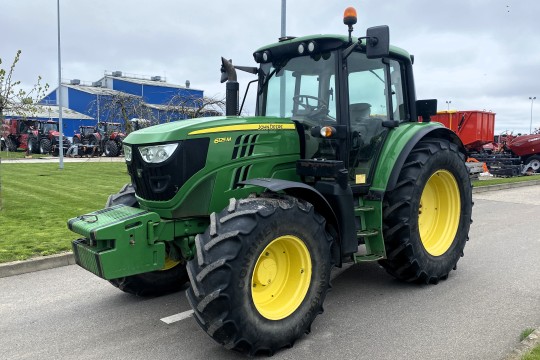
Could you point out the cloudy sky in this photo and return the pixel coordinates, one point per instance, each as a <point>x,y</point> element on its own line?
<point>480,55</point>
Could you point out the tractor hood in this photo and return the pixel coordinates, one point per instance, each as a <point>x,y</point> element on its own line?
<point>204,127</point>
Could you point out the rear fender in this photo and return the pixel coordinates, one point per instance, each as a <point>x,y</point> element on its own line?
<point>399,144</point>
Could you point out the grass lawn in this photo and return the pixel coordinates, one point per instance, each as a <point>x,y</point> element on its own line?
<point>38,199</point>
<point>533,355</point>
<point>495,181</point>
<point>19,154</point>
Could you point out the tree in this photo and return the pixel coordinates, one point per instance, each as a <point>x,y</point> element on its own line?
<point>121,107</point>
<point>188,107</point>
<point>15,99</point>
<point>115,106</point>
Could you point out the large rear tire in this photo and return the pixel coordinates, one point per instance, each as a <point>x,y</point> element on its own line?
<point>428,214</point>
<point>261,273</point>
<point>168,280</point>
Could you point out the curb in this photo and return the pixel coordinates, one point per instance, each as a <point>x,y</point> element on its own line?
<point>525,346</point>
<point>36,264</point>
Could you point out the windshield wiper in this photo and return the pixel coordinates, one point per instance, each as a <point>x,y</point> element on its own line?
<point>269,76</point>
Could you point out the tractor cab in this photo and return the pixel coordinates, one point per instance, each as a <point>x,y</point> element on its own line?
<point>343,103</point>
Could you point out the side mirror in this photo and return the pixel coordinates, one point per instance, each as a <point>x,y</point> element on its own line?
<point>377,42</point>
<point>426,108</point>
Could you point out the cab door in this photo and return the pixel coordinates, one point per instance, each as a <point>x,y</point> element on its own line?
<point>375,103</point>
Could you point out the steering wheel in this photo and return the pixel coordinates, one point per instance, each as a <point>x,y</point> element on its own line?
<point>303,101</point>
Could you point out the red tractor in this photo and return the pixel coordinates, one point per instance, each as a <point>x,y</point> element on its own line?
<point>104,138</point>
<point>44,138</point>
<point>86,141</point>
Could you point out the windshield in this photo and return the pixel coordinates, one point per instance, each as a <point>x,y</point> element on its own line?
<point>302,89</point>
<point>50,127</point>
<point>113,128</point>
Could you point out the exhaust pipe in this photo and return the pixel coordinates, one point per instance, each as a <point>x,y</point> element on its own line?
<point>228,73</point>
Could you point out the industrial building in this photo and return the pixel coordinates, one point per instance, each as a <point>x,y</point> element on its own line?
<point>148,97</point>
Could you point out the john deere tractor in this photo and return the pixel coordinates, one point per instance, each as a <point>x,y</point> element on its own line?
<point>254,212</point>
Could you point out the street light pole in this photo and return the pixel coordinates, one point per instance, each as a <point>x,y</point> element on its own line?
<point>448,104</point>
<point>60,103</point>
<point>532,98</point>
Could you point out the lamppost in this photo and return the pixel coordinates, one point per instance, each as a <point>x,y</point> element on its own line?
<point>532,98</point>
<point>60,104</point>
<point>448,104</point>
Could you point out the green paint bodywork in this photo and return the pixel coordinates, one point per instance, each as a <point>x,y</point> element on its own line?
<point>274,156</point>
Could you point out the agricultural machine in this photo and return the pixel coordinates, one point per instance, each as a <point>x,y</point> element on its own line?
<point>505,154</point>
<point>255,211</point>
<point>104,138</point>
<point>15,134</point>
<point>44,138</point>
<point>34,136</point>
<point>511,155</point>
<point>86,141</point>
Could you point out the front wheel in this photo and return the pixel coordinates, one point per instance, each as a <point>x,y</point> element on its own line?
<point>261,273</point>
<point>428,214</point>
<point>170,279</point>
<point>111,149</point>
<point>534,163</point>
<point>32,145</point>
<point>45,146</point>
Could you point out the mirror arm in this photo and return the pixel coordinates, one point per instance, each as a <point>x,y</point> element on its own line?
<point>348,51</point>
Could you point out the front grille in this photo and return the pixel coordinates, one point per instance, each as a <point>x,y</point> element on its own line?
<point>160,182</point>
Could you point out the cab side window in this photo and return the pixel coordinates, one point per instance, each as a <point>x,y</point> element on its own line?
<point>399,109</point>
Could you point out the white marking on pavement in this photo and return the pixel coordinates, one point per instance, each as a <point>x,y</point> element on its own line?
<point>177,317</point>
<point>186,314</point>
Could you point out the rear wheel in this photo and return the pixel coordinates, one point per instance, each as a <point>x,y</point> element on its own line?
<point>171,278</point>
<point>428,215</point>
<point>45,146</point>
<point>111,148</point>
<point>261,273</point>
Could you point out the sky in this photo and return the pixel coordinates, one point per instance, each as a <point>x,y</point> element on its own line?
<point>475,55</point>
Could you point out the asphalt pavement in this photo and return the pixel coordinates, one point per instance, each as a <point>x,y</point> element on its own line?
<point>478,313</point>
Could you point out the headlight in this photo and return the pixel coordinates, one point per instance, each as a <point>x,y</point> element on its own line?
<point>127,152</point>
<point>157,153</point>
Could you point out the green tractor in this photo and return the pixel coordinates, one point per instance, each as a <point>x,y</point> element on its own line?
<point>254,212</point>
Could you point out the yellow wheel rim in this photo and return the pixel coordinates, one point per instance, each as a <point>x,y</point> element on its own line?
<point>169,263</point>
<point>281,277</point>
<point>439,212</point>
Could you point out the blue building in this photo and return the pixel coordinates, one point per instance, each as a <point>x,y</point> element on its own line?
<point>117,96</point>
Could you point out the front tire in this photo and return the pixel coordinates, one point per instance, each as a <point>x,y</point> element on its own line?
<point>261,273</point>
<point>111,149</point>
<point>534,163</point>
<point>428,214</point>
<point>45,146</point>
<point>155,283</point>
<point>32,145</point>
